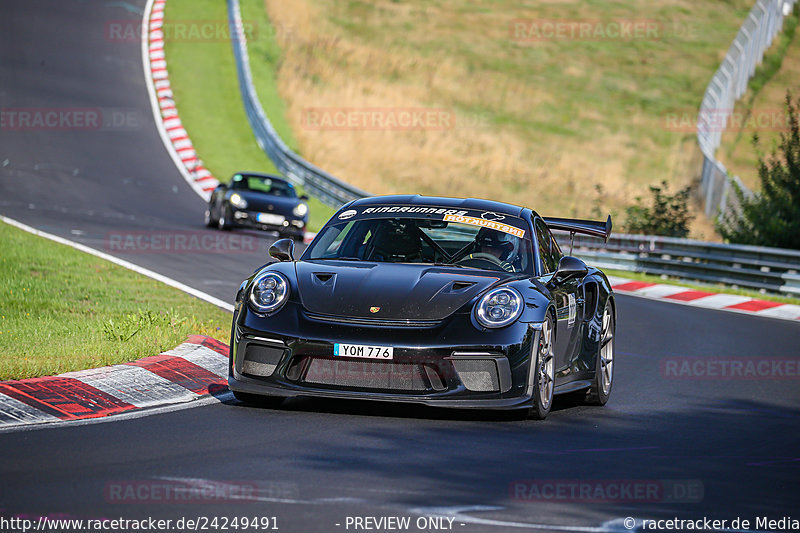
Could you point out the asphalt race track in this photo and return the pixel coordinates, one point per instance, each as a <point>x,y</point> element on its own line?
<point>716,448</point>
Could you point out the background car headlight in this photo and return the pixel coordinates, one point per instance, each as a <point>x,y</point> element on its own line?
<point>238,201</point>
<point>499,307</point>
<point>269,292</point>
<point>300,210</point>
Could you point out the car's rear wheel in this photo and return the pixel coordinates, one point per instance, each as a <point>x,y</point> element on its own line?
<point>545,372</point>
<point>258,399</point>
<point>600,390</point>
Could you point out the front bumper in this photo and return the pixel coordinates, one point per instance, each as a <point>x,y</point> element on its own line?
<point>485,370</point>
<point>290,225</point>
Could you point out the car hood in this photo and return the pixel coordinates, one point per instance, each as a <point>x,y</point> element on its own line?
<point>399,291</point>
<point>267,203</point>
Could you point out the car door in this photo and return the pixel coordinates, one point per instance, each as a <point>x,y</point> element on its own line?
<point>566,299</point>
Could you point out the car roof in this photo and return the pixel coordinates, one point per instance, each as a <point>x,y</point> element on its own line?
<point>440,201</point>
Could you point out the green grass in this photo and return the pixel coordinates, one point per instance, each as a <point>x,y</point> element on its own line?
<point>206,90</point>
<point>708,287</point>
<point>64,310</point>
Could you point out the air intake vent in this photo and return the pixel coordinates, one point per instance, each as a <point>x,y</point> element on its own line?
<point>461,285</point>
<point>324,277</point>
<point>479,375</point>
<point>261,360</point>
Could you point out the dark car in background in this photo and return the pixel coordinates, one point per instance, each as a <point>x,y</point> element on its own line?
<point>258,201</point>
<point>441,301</point>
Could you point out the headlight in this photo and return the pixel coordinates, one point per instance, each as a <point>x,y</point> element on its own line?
<point>499,307</point>
<point>300,210</point>
<point>269,292</point>
<point>238,201</point>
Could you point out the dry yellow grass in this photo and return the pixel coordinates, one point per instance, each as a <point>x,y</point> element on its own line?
<point>536,124</point>
<point>766,116</point>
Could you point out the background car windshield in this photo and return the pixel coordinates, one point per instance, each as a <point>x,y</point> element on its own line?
<point>264,185</point>
<point>412,240</point>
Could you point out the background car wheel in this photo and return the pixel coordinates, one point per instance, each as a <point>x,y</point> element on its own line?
<point>600,390</point>
<point>209,221</point>
<point>545,372</point>
<point>257,399</point>
<point>223,222</point>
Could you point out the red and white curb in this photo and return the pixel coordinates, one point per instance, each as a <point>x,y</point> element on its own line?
<point>169,125</point>
<point>197,368</point>
<point>708,300</point>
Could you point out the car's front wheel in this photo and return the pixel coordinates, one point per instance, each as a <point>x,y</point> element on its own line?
<point>600,390</point>
<point>223,222</point>
<point>544,375</point>
<point>208,219</point>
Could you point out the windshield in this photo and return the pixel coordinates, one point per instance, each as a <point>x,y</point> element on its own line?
<point>420,240</point>
<point>264,185</point>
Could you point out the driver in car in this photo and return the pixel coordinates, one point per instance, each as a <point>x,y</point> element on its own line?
<point>490,246</point>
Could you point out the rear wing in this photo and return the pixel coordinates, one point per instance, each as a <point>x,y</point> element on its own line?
<point>585,227</point>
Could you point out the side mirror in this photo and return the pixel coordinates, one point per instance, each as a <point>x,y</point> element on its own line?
<point>570,267</point>
<point>282,250</point>
<point>304,197</point>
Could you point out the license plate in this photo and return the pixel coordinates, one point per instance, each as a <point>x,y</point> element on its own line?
<point>363,351</point>
<point>269,218</point>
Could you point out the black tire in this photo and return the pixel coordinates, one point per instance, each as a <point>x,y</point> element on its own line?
<point>208,219</point>
<point>544,374</point>
<point>257,399</point>
<point>223,222</point>
<point>600,391</point>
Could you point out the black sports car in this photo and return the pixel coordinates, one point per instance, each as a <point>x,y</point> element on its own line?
<point>258,201</point>
<point>440,301</point>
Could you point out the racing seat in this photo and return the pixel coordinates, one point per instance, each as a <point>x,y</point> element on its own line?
<point>394,243</point>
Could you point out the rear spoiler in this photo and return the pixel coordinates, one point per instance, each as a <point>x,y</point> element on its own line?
<point>586,227</point>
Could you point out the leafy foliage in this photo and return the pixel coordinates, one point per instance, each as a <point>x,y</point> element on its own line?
<point>771,217</point>
<point>667,215</point>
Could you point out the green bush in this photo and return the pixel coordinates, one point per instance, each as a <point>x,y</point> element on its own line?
<point>771,217</point>
<point>667,215</point>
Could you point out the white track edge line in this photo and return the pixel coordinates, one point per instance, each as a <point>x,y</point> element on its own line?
<point>121,262</point>
<point>154,106</point>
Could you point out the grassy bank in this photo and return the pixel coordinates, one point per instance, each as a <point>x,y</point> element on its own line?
<point>540,121</point>
<point>206,88</point>
<point>63,310</point>
<point>762,109</point>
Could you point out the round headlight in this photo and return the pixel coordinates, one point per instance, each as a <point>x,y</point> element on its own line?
<point>238,201</point>
<point>269,292</point>
<point>300,210</point>
<point>499,307</point>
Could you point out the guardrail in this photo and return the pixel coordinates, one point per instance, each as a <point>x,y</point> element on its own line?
<point>727,85</point>
<point>753,267</point>
<point>328,188</point>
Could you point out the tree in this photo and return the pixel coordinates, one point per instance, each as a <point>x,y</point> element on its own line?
<point>771,217</point>
<point>668,215</point>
